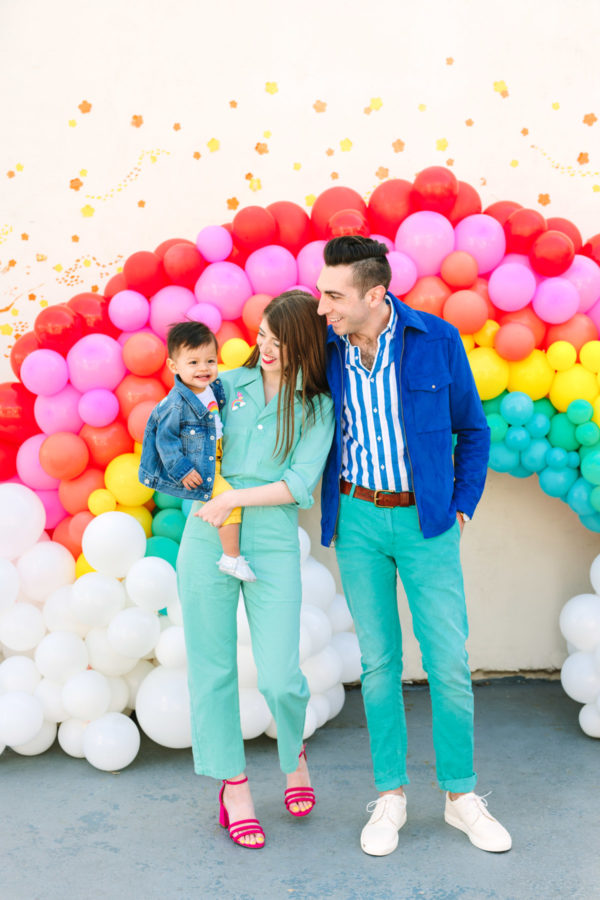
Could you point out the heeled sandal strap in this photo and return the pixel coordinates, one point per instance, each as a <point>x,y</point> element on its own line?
<point>244,828</point>
<point>241,780</point>
<point>299,795</point>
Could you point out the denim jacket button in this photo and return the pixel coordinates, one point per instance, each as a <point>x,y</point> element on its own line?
<point>192,431</point>
<point>212,437</point>
<point>211,458</point>
<point>209,479</point>
<point>146,481</point>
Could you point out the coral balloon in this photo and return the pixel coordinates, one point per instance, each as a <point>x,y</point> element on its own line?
<point>389,205</point>
<point>527,317</point>
<point>21,349</point>
<point>466,310</point>
<point>347,221</point>
<point>293,224</point>
<point>514,341</point>
<point>522,228</point>
<point>329,202</point>
<point>58,327</point>
<point>577,331</point>
<point>428,295</point>
<point>170,242</point>
<point>144,353</point>
<point>565,226</point>
<point>434,189</point>
<point>459,269</point>
<point>254,227</point>
<point>144,272</point>
<point>135,389</point>
<point>552,253</point>
<point>253,310</point>
<point>183,264</point>
<point>74,493</point>
<point>138,418</point>
<point>467,203</point>
<point>64,455</point>
<point>114,285</point>
<point>501,210</point>
<point>106,442</point>
<point>16,413</point>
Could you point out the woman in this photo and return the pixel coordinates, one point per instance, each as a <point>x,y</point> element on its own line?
<point>278,427</point>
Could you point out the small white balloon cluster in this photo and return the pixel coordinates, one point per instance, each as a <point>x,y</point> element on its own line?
<point>580,675</point>
<point>79,655</point>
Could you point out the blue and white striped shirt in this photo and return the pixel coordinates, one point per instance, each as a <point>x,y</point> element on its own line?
<point>373,445</point>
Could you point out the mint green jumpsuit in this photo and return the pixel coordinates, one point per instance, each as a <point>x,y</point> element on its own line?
<point>269,541</point>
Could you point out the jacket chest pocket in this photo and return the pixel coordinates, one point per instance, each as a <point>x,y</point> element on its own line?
<point>430,400</point>
<point>194,438</point>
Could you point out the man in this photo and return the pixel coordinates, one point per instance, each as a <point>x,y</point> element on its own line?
<point>394,500</point>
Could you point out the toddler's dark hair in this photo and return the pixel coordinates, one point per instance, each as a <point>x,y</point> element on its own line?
<point>188,334</point>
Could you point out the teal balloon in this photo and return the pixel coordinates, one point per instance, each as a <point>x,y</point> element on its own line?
<point>557,482</point>
<point>186,507</point>
<point>557,458</point>
<point>169,523</point>
<point>562,432</point>
<point>165,501</point>
<point>538,425</point>
<point>595,499</point>
<point>517,438</point>
<point>545,407</point>
<point>584,452</point>
<point>579,498</point>
<point>493,405</point>
<point>502,459</point>
<point>590,467</point>
<point>521,472</point>
<point>580,411</point>
<point>588,433</point>
<point>591,522</point>
<point>573,459</point>
<point>534,458</point>
<point>516,408</point>
<point>498,426</point>
<point>163,547</point>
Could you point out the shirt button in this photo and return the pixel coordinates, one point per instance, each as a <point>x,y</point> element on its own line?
<point>433,387</point>
<point>378,437</point>
<point>260,428</point>
<point>375,409</point>
<point>382,466</point>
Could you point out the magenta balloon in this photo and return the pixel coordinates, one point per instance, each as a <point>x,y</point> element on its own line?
<point>128,310</point>
<point>427,238</point>
<point>55,511</point>
<point>168,306</point>
<point>226,286</point>
<point>310,262</point>
<point>404,272</point>
<point>29,468</point>
<point>594,314</point>
<point>98,407</point>
<point>214,243</point>
<point>59,412</point>
<point>511,286</point>
<point>304,288</point>
<point>271,270</point>
<point>206,313</point>
<point>483,237</point>
<point>44,372</point>
<point>584,274</point>
<point>382,239</point>
<point>95,361</point>
<point>556,300</point>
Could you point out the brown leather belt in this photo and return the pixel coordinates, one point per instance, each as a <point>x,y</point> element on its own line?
<point>386,499</point>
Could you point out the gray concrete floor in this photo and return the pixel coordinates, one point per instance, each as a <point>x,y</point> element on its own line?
<point>69,831</point>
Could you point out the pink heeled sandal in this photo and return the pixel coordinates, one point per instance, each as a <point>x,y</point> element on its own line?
<point>300,794</point>
<point>243,827</point>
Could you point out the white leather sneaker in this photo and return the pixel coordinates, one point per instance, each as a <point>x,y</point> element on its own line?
<point>470,814</point>
<point>236,566</point>
<point>380,835</point>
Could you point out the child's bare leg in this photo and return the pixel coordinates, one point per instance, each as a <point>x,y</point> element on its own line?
<point>229,535</point>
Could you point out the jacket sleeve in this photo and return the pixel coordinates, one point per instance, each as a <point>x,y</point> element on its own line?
<point>473,434</point>
<point>306,462</point>
<point>169,446</point>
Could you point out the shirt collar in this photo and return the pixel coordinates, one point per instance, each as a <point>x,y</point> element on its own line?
<point>389,329</point>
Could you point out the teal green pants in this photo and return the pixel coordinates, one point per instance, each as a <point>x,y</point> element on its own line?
<point>209,600</point>
<point>373,545</point>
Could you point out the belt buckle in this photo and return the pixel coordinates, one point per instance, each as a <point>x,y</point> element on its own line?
<point>376,496</point>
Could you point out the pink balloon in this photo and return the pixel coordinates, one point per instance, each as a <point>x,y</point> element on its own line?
<point>95,361</point>
<point>44,372</point>
<point>206,313</point>
<point>226,286</point>
<point>483,237</point>
<point>168,306</point>
<point>584,273</point>
<point>511,286</point>
<point>55,511</point>
<point>59,412</point>
<point>214,243</point>
<point>310,262</point>
<point>98,407</point>
<point>382,239</point>
<point>28,465</point>
<point>556,300</point>
<point>303,288</point>
<point>271,270</point>
<point>427,238</point>
<point>128,310</point>
<point>404,272</point>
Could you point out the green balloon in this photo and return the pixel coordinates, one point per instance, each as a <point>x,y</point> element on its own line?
<point>163,547</point>
<point>562,432</point>
<point>544,406</point>
<point>493,405</point>
<point>498,426</point>
<point>587,434</point>
<point>165,501</point>
<point>169,523</point>
<point>580,411</point>
<point>590,467</point>
<point>595,499</point>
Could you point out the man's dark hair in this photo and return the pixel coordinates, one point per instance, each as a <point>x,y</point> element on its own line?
<point>188,334</point>
<point>366,257</point>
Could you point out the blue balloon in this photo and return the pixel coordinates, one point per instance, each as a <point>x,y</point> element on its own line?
<point>557,482</point>
<point>516,408</point>
<point>538,425</point>
<point>534,458</point>
<point>557,458</point>
<point>502,459</point>
<point>517,438</point>
<point>578,498</point>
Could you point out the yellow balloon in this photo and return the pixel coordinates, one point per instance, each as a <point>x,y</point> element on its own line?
<point>575,384</point>
<point>121,479</point>
<point>561,355</point>
<point>101,501</point>
<point>589,356</point>
<point>485,336</point>
<point>141,514</point>
<point>468,342</point>
<point>235,352</point>
<point>490,372</point>
<point>222,368</point>
<point>137,448</point>
<point>532,375</point>
<point>82,566</point>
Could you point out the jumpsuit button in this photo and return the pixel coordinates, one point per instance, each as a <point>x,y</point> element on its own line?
<point>260,428</point>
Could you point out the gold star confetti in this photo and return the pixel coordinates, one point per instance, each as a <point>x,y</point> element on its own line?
<point>596,188</point>
<point>319,106</point>
<point>213,145</point>
<point>261,149</point>
<point>367,110</point>
<point>87,263</point>
<point>137,121</point>
<point>141,203</point>
<point>72,123</point>
<point>297,167</point>
<point>87,211</point>
<point>176,127</point>
<point>449,61</point>
<point>382,172</point>
<point>556,105</point>
<point>10,174</point>
<point>544,199</point>
<point>255,184</point>
<point>524,131</point>
<point>583,159</point>
<point>19,167</point>
<point>469,123</point>
<point>514,163</point>
<point>233,202</point>
<point>84,107</point>
<point>329,151</point>
<point>376,103</point>
<point>43,304</point>
<point>6,329</point>
<point>334,176</point>
<point>197,155</point>
<point>500,88</point>
<point>41,257</point>
<point>14,312</point>
<point>398,146</point>
<point>24,237</point>
<point>75,184</point>
<point>75,238</point>
<point>309,199</point>
<point>266,134</point>
<point>441,144</point>
<point>233,104</point>
<point>57,267</point>
<point>422,107</point>
<point>589,119</point>
<point>83,172</point>
<point>346,145</point>
<point>271,87</point>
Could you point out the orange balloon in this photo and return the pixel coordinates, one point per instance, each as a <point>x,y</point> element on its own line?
<point>64,455</point>
<point>527,317</point>
<point>459,269</point>
<point>467,310</point>
<point>514,341</point>
<point>134,389</point>
<point>137,419</point>
<point>107,442</point>
<point>62,536</point>
<point>73,494</point>
<point>253,310</point>
<point>79,523</point>
<point>144,353</point>
<point>577,331</point>
<point>428,295</point>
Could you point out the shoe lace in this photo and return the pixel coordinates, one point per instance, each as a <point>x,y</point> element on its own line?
<point>482,798</point>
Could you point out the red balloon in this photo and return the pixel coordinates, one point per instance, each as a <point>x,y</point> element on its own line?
<point>167,377</point>
<point>8,460</point>
<point>183,264</point>
<point>514,341</point>
<point>135,389</point>
<point>254,227</point>
<point>577,331</point>
<point>330,202</point>
<point>347,221</point>
<point>526,316</point>
<point>466,310</point>
<point>522,228</point>
<point>389,205</point>
<point>566,227</point>
<point>552,253</point>
<point>58,328</point>
<point>502,209</point>
<point>591,248</point>
<point>467,203</point>
<point>171,242</point>
<point>107,442</point>
<point>293,223</point>
<point>22,347</point>
<point>93,308</point>
<point>114,285</point>
<point>17,422</point>
<point>144,272</point>
<point>428,295</point>
<point>435,189</point>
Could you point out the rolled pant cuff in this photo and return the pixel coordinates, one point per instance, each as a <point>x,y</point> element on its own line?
<point>392,782</point>
<point>459,785</point>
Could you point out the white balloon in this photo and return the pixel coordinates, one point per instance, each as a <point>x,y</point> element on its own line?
<point>134,678</point>
<point>271,729</point>
<point>306,647</point>
<point>49,693</point>
<point>310,723</point>
<point>113,542</point>
<point>102,655</point>
<point>323,671</point>
<point>247,672</point>
<point>152,583</point>
<point>175,613</point>
<point>111,742</point>
<point>9,584</point>
<point>22,626</point>
<point>339,614</point>
<point>40,743</point>
<point>61,654</point>
<point>243,626</point>
<point>346,644</point>
<point>19,673</point>
<point>21,717</point>
<point>170,648</point>
<point>163,707</point>
<point>70,737</point>
<point>595,574</point>
<point>579,621</point>
<point>86,695</point>
<point>337,697</point>
<point>133,632</point>
<point>58,614</point>
<point>318,584</point>
<point>22,519</point>
<point>96,598</point>
<point>255,715</point>
<point>7,652</point>
<point>304,541</point>
<point>580,677</point>
<point>320,706</point>
<point>119,693</point>
<point>318,625</point>
<point>589,720</point>
<point>44,568</point>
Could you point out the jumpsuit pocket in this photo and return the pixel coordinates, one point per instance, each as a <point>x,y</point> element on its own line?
<point>430,396</point>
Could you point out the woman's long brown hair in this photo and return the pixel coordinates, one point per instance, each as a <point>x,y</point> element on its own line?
<point>302,334</point>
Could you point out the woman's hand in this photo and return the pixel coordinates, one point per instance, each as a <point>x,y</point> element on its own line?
<point>215,511</point>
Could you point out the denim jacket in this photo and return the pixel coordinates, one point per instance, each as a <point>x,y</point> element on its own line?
<point>180,436</point>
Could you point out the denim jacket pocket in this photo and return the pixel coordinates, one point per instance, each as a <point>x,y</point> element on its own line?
<point>430,395</point>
